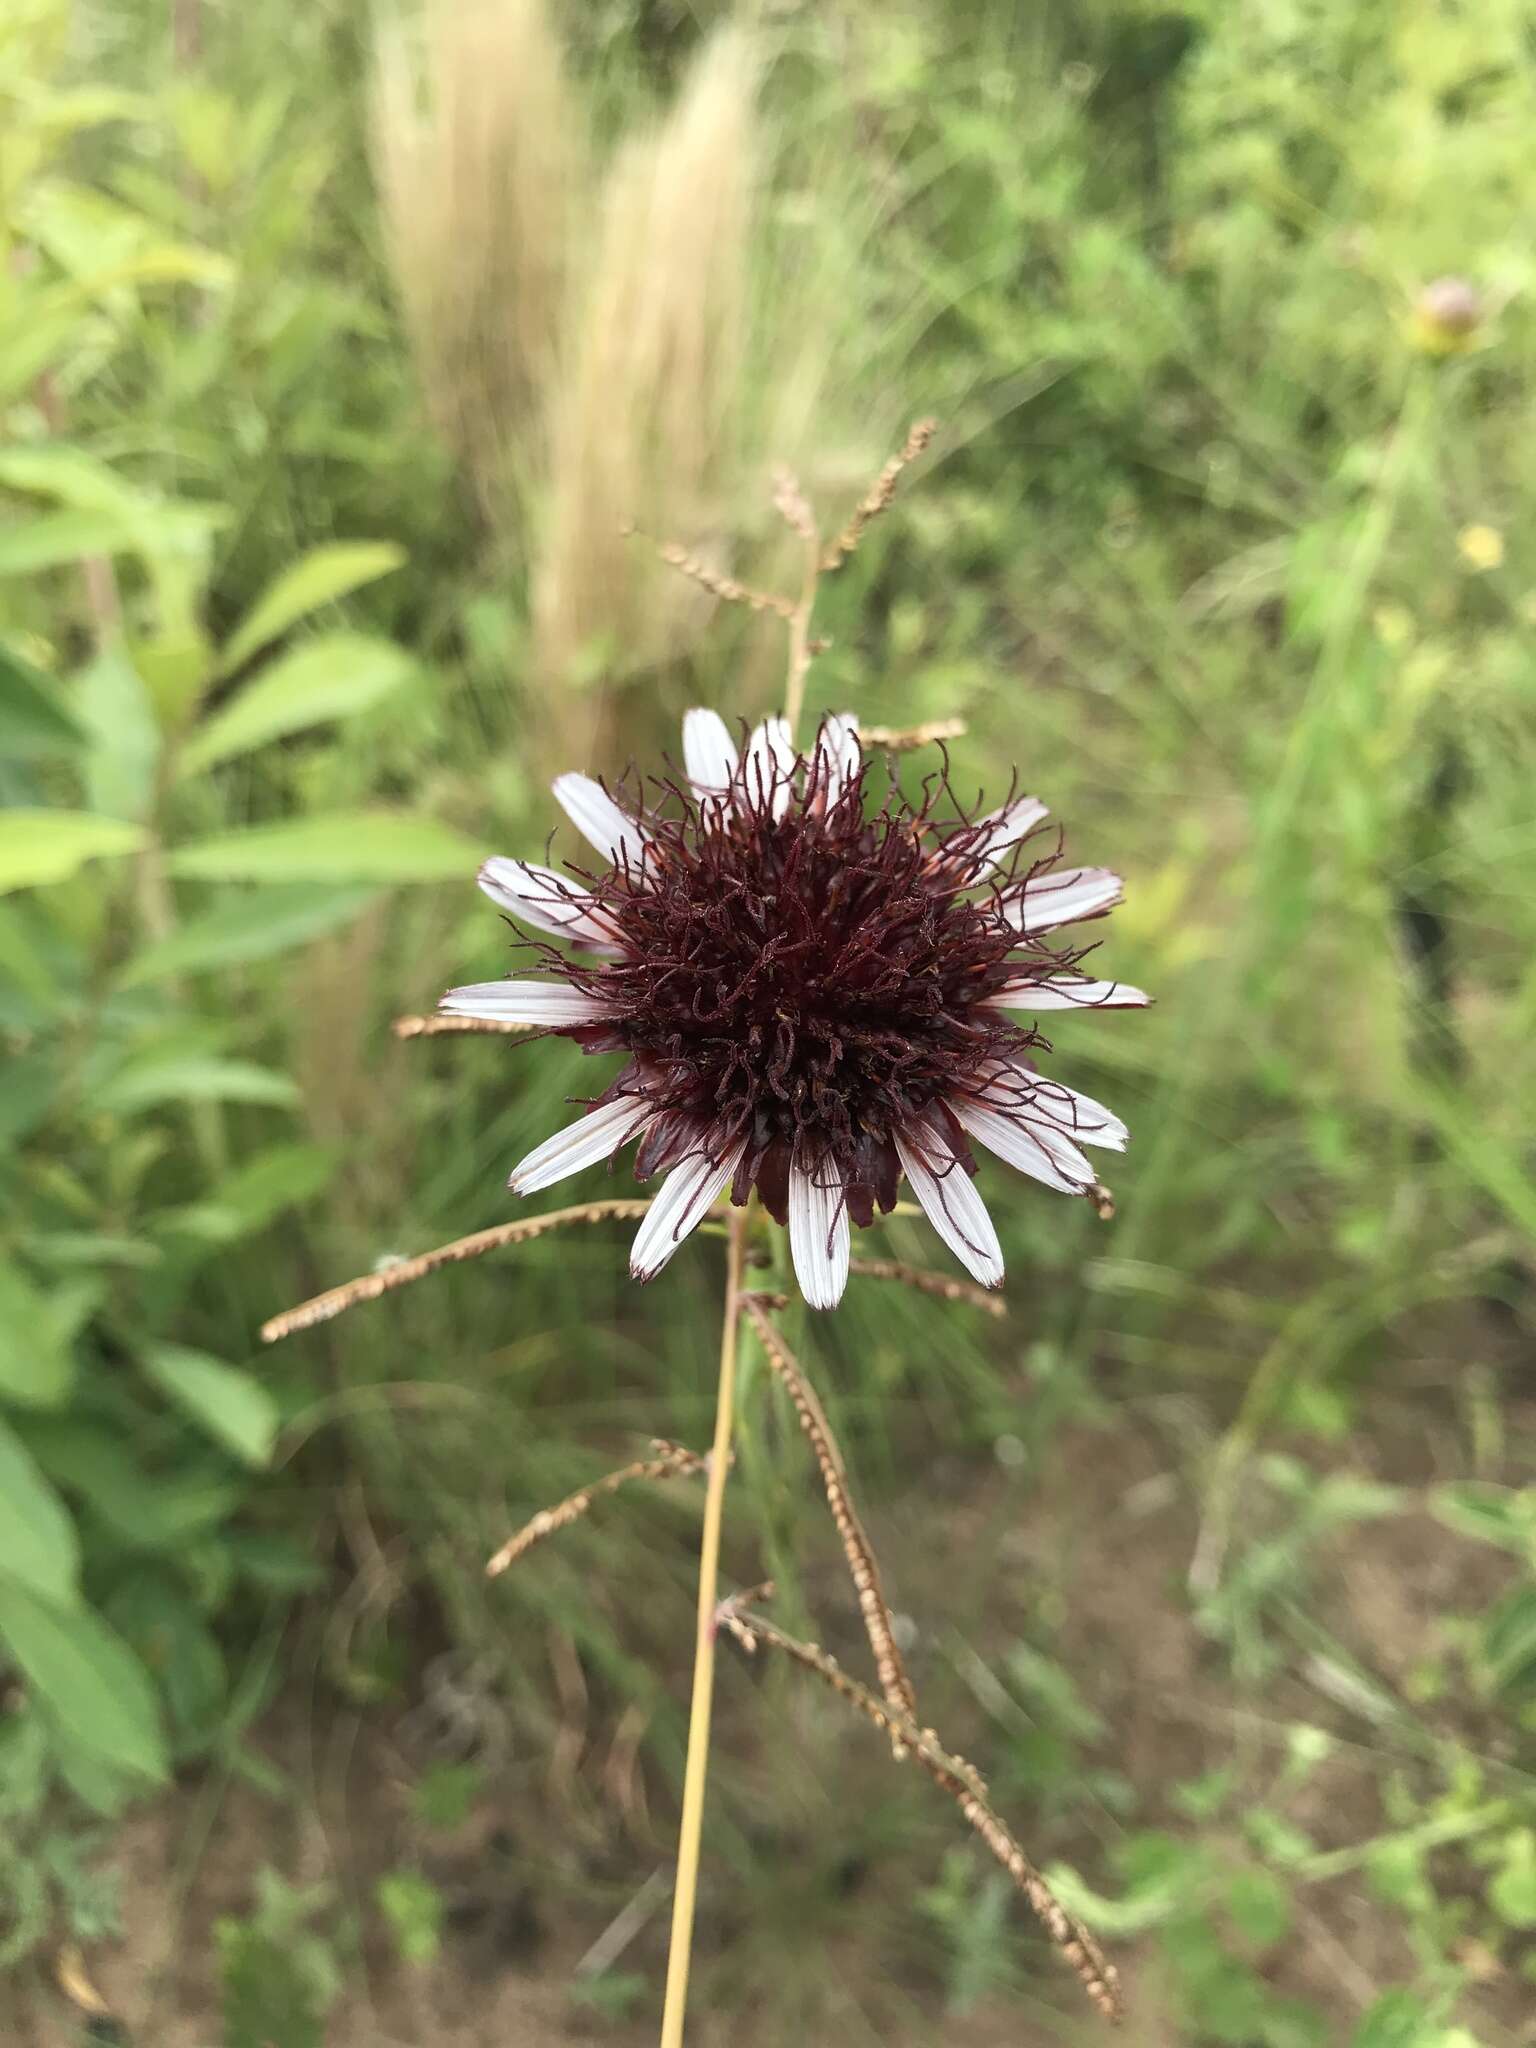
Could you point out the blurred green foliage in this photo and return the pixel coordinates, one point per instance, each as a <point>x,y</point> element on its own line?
<point>1207,551</point>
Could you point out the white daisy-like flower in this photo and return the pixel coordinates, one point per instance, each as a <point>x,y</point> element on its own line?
<point>817,994</point>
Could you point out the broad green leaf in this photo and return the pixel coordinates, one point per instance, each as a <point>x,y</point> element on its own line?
<point>331,677</point>
<point>191,1077</point>
<point>75,1248</point>
<point>105,246</point>
<point>28,545</point>
<point>254,925</point>
<point>36,1369</point>
<point>91,1779</point>
<point>176,663</point>
<point>1491,1514</point>
<point>232,1405</point>
<point>62,471</point>
<point>102,512</point>
<point>1397,2019</point>
<point>159,1621</point>
<point>87,106</point>
<point>38,1545</point>
<point>246,1200</point>
<point>1512,1893</point>
<point>33,967</point>
<point>85,1677</point>
<point>34,721</point>
<point>1258,1904</point>
<point>124,756</point>
<point>361,846</point>
<point>1508,1640</point>
<point>40,846</point>
<point>273,1561</point>
<point>98,1468</point>
<point>320,577</point>
<point>29,1084</point>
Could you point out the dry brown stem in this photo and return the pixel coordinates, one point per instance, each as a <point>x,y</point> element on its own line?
<point>369,1286</point>
<point>1094,1971</point>
<point>944,1286</point>
<point>879,495</point>
<point>672,1461</point>
<point>894,1682</point>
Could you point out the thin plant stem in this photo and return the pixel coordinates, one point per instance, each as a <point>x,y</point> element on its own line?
<point>800,640</point>
<point>696,1769</point>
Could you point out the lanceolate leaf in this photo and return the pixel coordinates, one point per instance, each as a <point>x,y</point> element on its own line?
<point>253,925</point>
<point>361,846</point>
<point>36,1369</point>
<point>331,677</point>
<point>33,718</point>
<point>232,1405</point>
<point>40,846</point>
<point>38,1545</point>
<point>85,1678</point>
<point>318,578</point>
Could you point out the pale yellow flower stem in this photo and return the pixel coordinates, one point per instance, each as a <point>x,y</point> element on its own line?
<point>697,1766</point>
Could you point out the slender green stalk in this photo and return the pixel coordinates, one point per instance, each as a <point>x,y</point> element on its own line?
<point>697,1767</point>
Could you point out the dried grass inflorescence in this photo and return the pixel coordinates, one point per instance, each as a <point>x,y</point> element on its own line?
<point>403,1272</point>
<point>1078,1948</point>
<point>879,497</point>
<point>439,1026</point>
<point>942,1286</point>
<point>879,1626</point>
<point>671,1461</point>
<point>910,739</point>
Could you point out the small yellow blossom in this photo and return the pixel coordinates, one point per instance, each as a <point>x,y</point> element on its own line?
<point>1394,625</point>
<point>1480,547</point>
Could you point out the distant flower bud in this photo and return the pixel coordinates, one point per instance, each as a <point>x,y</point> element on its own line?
<point>1446,316</point>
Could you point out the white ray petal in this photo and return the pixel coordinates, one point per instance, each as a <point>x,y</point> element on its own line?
<point>1063,897</point>
<point>546,900</point>
<point>1077,1115</point>
<point>837,746</point>
<point>1067,992</point>
<point>1007,827</point>
<point>770,763</point>
<point>597,817</point>
<point>818,1233</point>
<point>1018,1091</point>
<point>524,1002</point>
<point>1039,1150</point>
<point>684,1201</point>
<point>709,752</point>
<point>953,1206</point>
<point>593,1137</point>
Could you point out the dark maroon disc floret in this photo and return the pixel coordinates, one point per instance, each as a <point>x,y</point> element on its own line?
<point>809,969</point>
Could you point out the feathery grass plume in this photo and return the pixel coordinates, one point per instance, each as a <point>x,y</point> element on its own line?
<point>644,416</point>
<point>480,151</point>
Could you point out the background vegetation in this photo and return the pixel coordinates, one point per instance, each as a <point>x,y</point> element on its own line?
<point>332,357</point>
